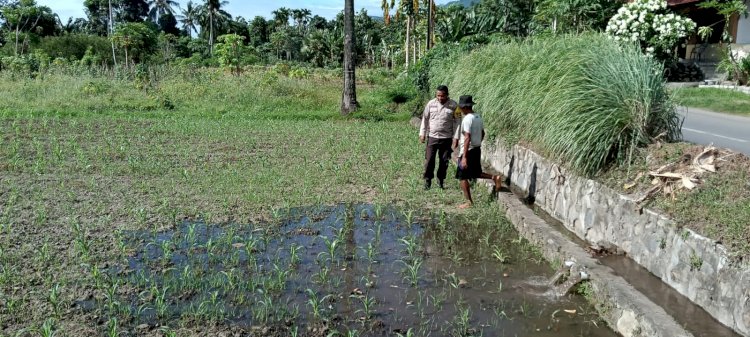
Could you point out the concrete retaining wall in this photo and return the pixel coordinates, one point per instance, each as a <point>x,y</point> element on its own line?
<point>694,265</point>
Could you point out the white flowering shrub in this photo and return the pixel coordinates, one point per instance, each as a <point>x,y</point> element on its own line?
<point>650,24</point>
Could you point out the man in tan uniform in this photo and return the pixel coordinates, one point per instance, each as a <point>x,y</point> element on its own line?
<point>439,122</point>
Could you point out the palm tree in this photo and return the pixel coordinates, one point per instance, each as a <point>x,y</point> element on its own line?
<point>161,7</point>
<point>410,8</point>
<point>349,96</point>
<point>300,17</point>
<point>281,17</point>
<point>190,18</point>
<point>211,11</point>
<point>387,6</point>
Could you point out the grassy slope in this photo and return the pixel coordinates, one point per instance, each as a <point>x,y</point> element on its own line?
<point>106,157</point>
<point>577,107</point>
<point>719,100</point>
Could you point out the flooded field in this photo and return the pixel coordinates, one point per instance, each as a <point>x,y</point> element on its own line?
<point>349,270</point>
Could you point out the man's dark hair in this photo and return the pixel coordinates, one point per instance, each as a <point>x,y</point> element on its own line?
<point>443,88</point>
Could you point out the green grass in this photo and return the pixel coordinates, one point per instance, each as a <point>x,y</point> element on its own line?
<point>719,212</point>
<point>718,208</point>
<point>713,99</point>
<point>581,100</point>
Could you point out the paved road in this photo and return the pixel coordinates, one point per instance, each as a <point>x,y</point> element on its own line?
<point>723,130</point>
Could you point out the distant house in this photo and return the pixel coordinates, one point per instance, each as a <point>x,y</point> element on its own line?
<point>708,51</point>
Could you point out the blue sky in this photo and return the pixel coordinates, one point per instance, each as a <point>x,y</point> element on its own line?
<point>245,8</point>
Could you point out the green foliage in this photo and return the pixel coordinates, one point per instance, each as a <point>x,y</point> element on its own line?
<point>232,52</point>
<point>400,90</point>
<point>24,65</point>
<point>76,47</point>
<point>583,100</point>
<point>281,68</point>
<point>420,73</point>
<point>139,40</point>
<point>299,72</point>
<point>719,100</point>
<point>574,16</point>
<point>652,25</point>
<point>731,61</point>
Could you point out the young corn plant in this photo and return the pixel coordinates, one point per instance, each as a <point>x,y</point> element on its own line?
<point>368,304</point>
<point>378,211</point>
<point>112,329</point>
<point>294,254</point>
<point>408,217</point>
<point>43,254</point>
<point>166,251</point>
<point>411,246</point>
<point>111,295</point>
<point>160,300</point>
<point>190,236</point>
<point>332,246</point>
<point>316,304</point>
<point>48,328</point>
<point>460,322</point>
<point>278,279</point>
<point>500,255</point>
<point>82,244</point>
<point>412,269</point>
<point>323,276</point>
<point>54,299</point>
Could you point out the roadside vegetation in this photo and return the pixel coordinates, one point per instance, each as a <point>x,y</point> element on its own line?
<point>614,126</point>
<point>713,99</point>
<point>583,100</point>
<point>718,208</point>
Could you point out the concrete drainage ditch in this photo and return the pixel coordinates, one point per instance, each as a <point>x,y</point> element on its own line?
<point>601,217</point>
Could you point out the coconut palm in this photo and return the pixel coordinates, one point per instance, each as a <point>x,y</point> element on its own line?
<point>300,17</point>
<point>349,96</point>
<point>386,6</point>
<point>410,9</point>
<point>211,11</point>
<point>190,18</point>
<point>281,17</point>
<point>161,7</point>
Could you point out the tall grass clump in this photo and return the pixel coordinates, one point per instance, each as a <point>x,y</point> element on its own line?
<point>582,100</point>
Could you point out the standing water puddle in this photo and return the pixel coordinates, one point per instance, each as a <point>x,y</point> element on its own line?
<point>352,269</point>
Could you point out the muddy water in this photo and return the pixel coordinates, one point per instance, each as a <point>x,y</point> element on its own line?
<point>691,316</point>
<point>355,269</point>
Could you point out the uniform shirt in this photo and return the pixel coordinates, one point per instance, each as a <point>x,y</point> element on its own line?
<point>473,125</point>
<point>439,120</point>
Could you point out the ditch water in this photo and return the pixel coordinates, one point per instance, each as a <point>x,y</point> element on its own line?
<point>694,318</point>
<point>359,270</point>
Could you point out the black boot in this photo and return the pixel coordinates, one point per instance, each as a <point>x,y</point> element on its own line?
<point>427,184</point>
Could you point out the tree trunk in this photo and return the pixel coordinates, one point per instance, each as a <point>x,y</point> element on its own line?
<point>211,33</point>
<point>17,39</point>
<point>349,96</point>
<point>406,42</point>
<point>393,60</point>
<point>413,46</point>
<point>430,23</point>
<point>110,31</point>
